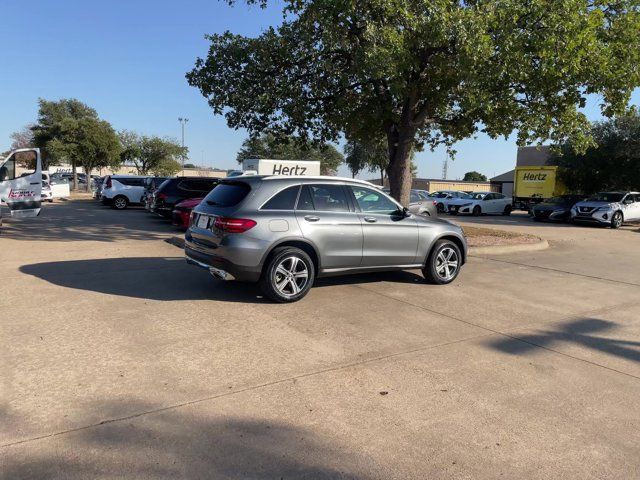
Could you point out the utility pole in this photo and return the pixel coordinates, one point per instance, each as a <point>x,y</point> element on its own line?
<point>445,168</point>
<point>183,121</point>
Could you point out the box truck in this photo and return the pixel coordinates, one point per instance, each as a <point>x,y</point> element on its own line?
<point>532,185</point>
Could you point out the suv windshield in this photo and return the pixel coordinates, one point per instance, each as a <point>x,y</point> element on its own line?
<point>227,194</point>
<point>606,197</point>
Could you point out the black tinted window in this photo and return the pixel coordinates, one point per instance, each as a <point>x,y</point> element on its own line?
<point>227,194</point>
<point>305,201</point>
<point>329,198</point>
<point>284,200</point>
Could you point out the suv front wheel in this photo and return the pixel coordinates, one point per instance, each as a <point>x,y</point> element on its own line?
<point>288,275</point>
<point>120,202</point>
<point>443,263</point>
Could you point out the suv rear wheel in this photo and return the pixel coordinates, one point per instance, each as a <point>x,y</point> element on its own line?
<point>288,275</point>
<point>443,263</point>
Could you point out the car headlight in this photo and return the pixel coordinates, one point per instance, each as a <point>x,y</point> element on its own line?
<point>604,209</point>
<point>465,205</point>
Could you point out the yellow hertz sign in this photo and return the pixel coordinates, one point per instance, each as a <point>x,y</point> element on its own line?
<point>537,182</point>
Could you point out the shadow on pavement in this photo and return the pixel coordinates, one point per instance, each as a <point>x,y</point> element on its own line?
<point>580,332</point>
<point>171,278</point>
<point>172,444</point>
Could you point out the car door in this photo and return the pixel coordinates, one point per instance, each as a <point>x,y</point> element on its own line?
<point>501,202</point>
<point>327,219</point>
<point>632,207</point>
<point>22,191</point>
<point>390,237</point>
<point>488,204</point>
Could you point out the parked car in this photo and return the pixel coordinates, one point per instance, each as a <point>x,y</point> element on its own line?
<point>419,203</point>
<point>283,232</point>
<point>120,191</point>
<point>443,197</point>
<point>556,209</point>
<point>608,208</point>
<point>481,203</point>
<point>182,212</point>
<point>151,184</point>
<point>174,190</point>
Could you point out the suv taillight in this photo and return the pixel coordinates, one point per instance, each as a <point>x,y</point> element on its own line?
<point>162,196</point>
<point>233,225</point>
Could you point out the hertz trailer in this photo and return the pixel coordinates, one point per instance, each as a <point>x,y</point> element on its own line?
<point>533,185</point>
<point>281,167</point>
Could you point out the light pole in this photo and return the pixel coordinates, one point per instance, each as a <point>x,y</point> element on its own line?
<point>183,121</point>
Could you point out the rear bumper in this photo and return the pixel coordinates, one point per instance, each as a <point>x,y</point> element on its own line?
<point>195,256</point>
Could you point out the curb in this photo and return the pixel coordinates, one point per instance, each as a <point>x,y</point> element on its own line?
<point>506,249</point>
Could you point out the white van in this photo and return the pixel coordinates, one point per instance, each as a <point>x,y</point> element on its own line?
<point>22,194</point>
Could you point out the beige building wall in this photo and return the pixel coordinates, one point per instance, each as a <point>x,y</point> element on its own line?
<point>126,170</point>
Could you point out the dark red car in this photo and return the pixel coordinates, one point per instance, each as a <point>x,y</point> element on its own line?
<point>182,212</point>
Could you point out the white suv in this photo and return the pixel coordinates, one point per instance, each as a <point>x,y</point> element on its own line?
<point>120,191</point>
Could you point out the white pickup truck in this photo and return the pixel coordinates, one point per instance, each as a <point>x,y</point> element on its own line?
<point>22,194</point>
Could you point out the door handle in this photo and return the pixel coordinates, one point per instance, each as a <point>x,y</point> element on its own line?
<point>34,183</point>
<point>311,218</point>
<point>370,219</point>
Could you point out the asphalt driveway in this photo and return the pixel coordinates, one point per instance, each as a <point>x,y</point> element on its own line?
<point>118,360</point>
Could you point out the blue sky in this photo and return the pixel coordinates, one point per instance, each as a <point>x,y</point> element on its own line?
<point>127,59</point>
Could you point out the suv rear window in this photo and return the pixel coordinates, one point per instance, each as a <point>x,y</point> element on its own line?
<point>284,200</point>
<point>227,194</point>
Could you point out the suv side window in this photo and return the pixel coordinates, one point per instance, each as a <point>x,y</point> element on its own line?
<point>371,201</point>
<point>283,200</point>
<point>489,196</point>
<point>329,198</point>
<point>305,202</point>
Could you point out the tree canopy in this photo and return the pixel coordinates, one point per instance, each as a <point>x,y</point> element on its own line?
<point>366,155</point>
<point>426,72</point>
<point>151,154</point>
<point>267,145</point>
<point>88,142</point>
<point>614,164</point>
<point>474,176</point>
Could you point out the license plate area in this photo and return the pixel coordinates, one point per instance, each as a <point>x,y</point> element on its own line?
<point>203,221</point>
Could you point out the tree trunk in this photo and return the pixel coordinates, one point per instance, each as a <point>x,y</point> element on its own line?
<point>75,175</point>
<point>400,143</point>
<point>87,171</point>
<point>381,176</point>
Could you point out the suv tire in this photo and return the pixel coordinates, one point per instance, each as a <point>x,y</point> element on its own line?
<point>439,268</point>
<point>288,275</point>
<point>120,202</point>
<point>507,211</point>
<point>477,211</point>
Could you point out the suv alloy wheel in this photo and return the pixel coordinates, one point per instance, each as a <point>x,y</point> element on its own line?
<point>288,275</point>
<point>443,263</point>
<point>120,202</point>
<point>616,220</point>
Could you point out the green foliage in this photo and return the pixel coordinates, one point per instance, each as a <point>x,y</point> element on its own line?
<point>614,164</point>
<point>53,117</point>
<point>474,176</point>
<point>88,142</point>
<point>280,147</point>
<point>150,153</point>
<point>426,72</point>
<point>190,165</point>
<point>370,155</point>
<point>166,167</point>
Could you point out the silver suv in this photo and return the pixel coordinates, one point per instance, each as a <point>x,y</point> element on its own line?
<point>284,232</point>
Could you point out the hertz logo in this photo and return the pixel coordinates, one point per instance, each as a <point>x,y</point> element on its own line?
<point>534,177</point>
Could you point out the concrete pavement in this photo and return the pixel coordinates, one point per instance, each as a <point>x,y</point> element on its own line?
<point>121,361</point>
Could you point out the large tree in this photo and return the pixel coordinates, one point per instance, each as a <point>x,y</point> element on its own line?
<point>267,145</point>
<point>611,165</point>
<point>370,155</point>
<point>88,142</point>
<point>151,153</point>
<point>54,120</point>
<point>425,72</point>
<point>474,176</point>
